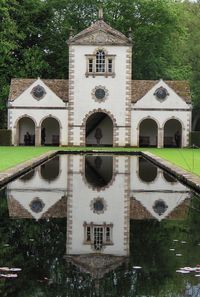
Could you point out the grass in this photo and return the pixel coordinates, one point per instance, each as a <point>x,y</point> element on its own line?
<point>188,159</point>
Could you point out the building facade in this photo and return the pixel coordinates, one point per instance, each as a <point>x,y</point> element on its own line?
<point>100,104</point>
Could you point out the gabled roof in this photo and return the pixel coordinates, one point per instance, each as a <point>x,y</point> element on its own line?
<point>19,85</point>
<point>99,33</point>
<point>141,87</point>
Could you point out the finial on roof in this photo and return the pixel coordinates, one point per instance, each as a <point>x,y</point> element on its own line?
<point>100,13</point>
<point>70,32</point>
<point>130,34</point>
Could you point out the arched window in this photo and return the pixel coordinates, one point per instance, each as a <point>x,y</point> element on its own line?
<point>100,61</point>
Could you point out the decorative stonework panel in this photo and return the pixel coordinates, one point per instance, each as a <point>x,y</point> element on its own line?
<point>99,94</point>
<point>37,205</point>
<point>98,205</point>
<point>161,94</point>
<point>38,92</point>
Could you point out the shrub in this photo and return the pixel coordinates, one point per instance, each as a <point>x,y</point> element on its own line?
<point>5,137</point>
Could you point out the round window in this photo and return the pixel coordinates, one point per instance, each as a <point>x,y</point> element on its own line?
<point>38,92</point>
<point>98,205</point>
<point>100,94</point>
<point>37,205</point>
<point>161,93</point>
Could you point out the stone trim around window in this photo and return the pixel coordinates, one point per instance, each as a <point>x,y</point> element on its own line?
<point>94,95</point>
<point>107,63</point>
<point>98,205</point>
<point>98,235</point>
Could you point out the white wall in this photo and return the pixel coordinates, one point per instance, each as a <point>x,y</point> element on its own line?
<point>26,106</point>
<point>83,87</point>
<point>173,107</point>
<point>81,211</point>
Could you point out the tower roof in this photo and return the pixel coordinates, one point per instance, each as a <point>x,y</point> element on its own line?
<point>100,33</point>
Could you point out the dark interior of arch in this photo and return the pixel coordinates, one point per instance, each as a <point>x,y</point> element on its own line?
<point>98,170</point>
<point>99,130</point>
<point>147,171</point>
<point>51,169</point>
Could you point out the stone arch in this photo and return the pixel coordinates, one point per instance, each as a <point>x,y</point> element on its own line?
<point>147,171</point>
<point>24,124</point>
<point>173,132</point>
<point>50,130</point>
<point>107,181</point>
<point>146,135</point>
<point>24,116</point>
<point>50,170</point>
<point>109,117</point>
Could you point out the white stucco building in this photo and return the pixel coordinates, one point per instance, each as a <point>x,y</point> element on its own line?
<point>99,104</point>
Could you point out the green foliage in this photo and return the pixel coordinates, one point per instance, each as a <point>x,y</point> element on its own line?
<point>5,137</point>
<point>33,35</point>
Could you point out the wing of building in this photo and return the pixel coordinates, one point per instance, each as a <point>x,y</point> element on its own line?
<point>100,104</point>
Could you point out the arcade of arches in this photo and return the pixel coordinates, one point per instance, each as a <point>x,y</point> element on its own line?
<point>48,133</point>
<point>99,132</point>
<point>150,135</point>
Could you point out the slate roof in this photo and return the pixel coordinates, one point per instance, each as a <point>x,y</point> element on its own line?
<point>141,87</point>
<point>60,88</point>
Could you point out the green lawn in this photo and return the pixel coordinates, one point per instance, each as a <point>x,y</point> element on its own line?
<point>189,159</point>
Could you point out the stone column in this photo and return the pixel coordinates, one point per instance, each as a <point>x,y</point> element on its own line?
<point>160,138</point>
<point>15,136</point>
<point>37,136</point>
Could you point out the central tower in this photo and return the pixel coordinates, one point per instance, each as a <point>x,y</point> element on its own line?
<point>100,76</point>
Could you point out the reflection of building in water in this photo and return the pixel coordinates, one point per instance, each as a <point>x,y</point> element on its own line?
<point>155,194</point>
<point>98,213</point>
<point>40,193</point>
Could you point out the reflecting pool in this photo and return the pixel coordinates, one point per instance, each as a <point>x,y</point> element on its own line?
<point>99,225</point>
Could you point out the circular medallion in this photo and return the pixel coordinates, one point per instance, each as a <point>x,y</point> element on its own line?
<point>37,205</point>
<point>100,93</point>
<point>160,207</point>
<point>161,93</point>
<point>98,205</point>
<point>38,92</point>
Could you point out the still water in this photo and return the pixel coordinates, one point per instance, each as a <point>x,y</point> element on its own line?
<point>99,225</point>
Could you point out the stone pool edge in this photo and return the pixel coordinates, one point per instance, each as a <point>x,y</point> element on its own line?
<point>182,175</point>
<point>14,172</point>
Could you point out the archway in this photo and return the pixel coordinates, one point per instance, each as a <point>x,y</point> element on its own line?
<point>98,170</point>
<point>148,133</point>
<point>50,131</point>
<point>26,131</point>
<point>172,133</point>
<point>99,130</point>
<point>50,170</point>
<point>147,171</point>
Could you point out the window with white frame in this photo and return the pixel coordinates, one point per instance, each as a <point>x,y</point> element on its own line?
<point>100,63</point>
<point>98,235</point>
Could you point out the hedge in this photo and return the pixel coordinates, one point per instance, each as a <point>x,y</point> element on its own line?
<point>5,137</point>
<point>195,138</point>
